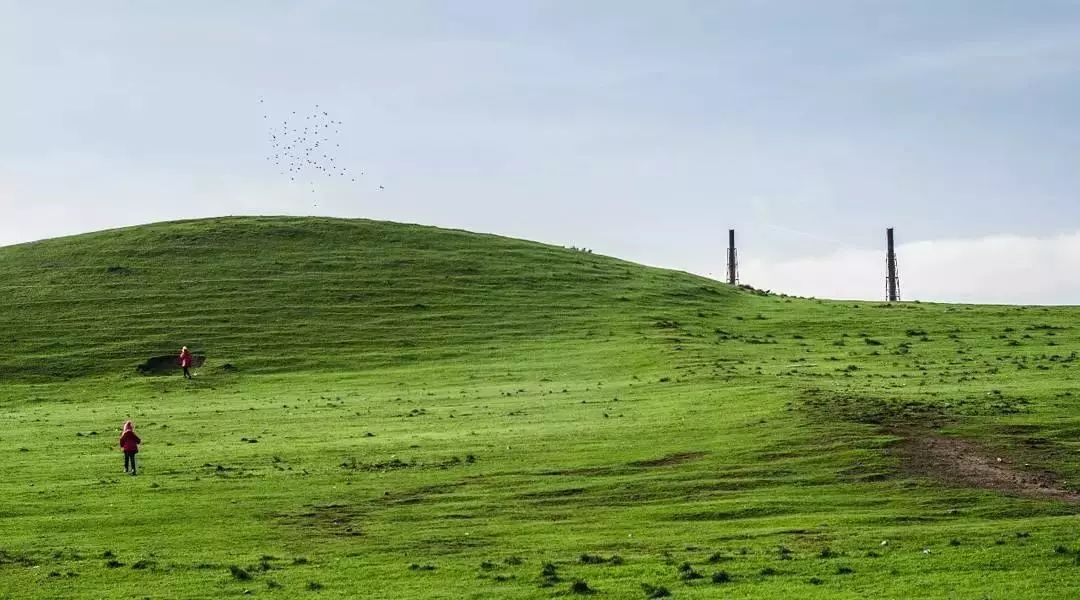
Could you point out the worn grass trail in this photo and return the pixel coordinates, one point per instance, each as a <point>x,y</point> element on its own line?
<point>420,413</point>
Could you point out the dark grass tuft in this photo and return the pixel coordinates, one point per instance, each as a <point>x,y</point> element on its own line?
<point>844,570</point>
<point>314,586</point>
<point>815,581</point>
<point>239,573</point>
<point>652,591</point>
<point>549,575</point>
<point>687,572</point>
<point>721,577</point>
<point>581,587</point>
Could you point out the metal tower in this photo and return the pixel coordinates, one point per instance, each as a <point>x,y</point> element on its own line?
<point>892,277</point>
<point>732,259</point>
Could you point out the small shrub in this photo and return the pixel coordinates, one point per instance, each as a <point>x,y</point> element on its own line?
<point>591,559</point>
<point>300,560</point>
<point>114,564</point>
<point>768,572</point>
<point>815,581</point>
<point>314,586</point>
<point>717,557</point>
<point>721,577</point>
<point>273,585</point>
<point>844,570</point>
<point>954,542</point>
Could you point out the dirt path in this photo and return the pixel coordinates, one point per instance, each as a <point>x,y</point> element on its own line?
<point>960,462</point>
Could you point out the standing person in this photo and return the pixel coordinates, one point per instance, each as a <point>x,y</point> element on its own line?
<point>185,362</point>
<point>129,443</point>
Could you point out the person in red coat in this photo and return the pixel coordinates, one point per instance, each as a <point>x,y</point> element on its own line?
<point>129,443</point>
<point>185,362</point>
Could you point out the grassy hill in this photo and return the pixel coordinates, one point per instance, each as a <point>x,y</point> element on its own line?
<point>412,412</point>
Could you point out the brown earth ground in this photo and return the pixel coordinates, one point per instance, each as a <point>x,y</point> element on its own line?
<point>960,462</point>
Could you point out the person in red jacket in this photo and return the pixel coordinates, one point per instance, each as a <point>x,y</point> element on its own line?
<point>129,443</point>
<point>185,362</point>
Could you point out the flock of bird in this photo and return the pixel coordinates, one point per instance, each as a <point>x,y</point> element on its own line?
<point>303,147</point>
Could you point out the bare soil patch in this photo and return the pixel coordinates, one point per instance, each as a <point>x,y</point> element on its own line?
<point>961,462</point>
<point>670,460</point>
<point>161,365</point>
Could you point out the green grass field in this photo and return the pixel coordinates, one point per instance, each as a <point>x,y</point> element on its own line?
<point>420,413</point>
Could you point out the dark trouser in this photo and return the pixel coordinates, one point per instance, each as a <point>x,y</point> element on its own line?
<point>129,459</point>
<point>187,373</point>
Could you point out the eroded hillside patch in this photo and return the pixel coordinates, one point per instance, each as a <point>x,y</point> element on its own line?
<point>955,461</point>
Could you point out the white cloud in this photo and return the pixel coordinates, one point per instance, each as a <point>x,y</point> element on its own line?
<point>998,269</point>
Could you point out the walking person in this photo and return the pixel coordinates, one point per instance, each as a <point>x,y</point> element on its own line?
<point>129,443</point>
<point>185,362</point>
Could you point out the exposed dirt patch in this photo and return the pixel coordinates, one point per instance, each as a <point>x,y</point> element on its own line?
<point>418,495</point>
<point>670,460</point>
<point>161,365</point>
<point>587,471</point>
<point>550,494</point>
<point>964,463</point>
<point>332,519</point>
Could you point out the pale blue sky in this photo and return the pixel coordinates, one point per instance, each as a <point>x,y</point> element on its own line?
<point>640,129</point>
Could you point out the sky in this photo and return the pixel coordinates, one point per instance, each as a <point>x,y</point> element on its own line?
<point>639,129</point>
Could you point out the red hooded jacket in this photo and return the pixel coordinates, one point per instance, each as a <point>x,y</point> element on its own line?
<point>185,359</point>
<point>128,440</point>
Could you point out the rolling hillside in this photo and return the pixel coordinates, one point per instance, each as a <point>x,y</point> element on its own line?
<point>397,411</point>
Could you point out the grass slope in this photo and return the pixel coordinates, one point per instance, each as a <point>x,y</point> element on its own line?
<point>422,413</point>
